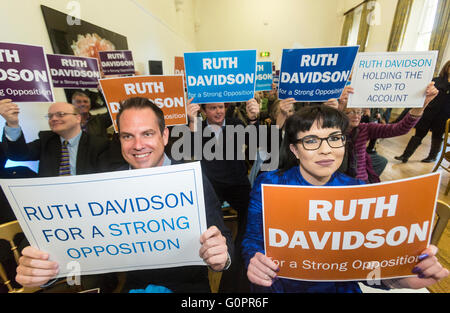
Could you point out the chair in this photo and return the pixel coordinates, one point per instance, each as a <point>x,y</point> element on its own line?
<point>443,213</point>
<point>7,232</point>
<point>444,155</point>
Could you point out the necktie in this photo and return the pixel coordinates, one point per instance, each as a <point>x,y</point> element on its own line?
<point>64,166</point>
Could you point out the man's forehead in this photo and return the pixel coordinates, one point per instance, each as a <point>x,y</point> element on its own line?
<point>143,117</point>
<point>210,105</point>
<point>81,97</point>
<point>58,106</point>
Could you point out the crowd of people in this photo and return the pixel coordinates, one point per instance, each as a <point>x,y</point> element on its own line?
<point>79,143</point>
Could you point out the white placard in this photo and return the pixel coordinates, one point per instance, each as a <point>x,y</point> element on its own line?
<point>114,222</point>
<point>391,79</point>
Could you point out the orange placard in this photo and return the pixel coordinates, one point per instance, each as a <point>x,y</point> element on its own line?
<point>349,233</point>
<point>167,92</point>
<point>179,68</point>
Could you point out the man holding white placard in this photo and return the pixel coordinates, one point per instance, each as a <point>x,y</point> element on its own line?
<point>143,136</point>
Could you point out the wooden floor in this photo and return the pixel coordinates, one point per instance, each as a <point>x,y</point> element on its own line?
<point>396,170</point>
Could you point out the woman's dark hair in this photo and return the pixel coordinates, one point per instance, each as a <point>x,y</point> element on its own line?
<point>302,121</point>
<point>444,71</point>
<point>141,103</point>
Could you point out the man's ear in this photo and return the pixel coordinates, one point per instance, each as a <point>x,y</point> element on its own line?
<point>165,135</point>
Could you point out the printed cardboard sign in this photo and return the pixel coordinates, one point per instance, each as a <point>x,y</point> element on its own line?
<point>315,74</point>
<point>347,233</point>
<point>73,72</point>
<point>24,75</point>
<point>167,92</point>
<point>119,62</point>
<point>264,76</point>
<point>179,66</point>
<point>114,222</point>
<point>391,79</point>
<point>220,76</point>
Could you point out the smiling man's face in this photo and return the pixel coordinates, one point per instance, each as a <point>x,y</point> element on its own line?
<point>141,138</point>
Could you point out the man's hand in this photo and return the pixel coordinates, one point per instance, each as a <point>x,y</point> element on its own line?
<point>332,103</point>
<point>214,250</point>
<point>10,112</point>
<point>252,108</point>
<point>34,268</point>
<point>192,110</point>
<point>287,106</point>
<point>430,93</point>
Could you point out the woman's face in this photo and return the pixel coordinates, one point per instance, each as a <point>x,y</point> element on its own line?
<point>317,166</point>
<point>354,117</point>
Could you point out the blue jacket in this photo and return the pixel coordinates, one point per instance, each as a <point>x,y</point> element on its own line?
<point>254,238</point>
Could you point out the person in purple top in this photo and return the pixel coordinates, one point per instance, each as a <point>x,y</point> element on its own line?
<point>357,162</point>
<point>312,151</point>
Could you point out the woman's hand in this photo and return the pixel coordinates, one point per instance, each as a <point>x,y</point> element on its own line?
<point>262,270</point>
<point>429,271</point>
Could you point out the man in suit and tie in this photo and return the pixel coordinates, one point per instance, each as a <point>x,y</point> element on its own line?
<point>64,140</point>
<point>63,150</point>
<point>228,173</point>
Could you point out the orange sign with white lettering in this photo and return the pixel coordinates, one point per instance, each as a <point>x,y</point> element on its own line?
<point>351,232</point>
<point>179,66</point>
<point>167,92</point>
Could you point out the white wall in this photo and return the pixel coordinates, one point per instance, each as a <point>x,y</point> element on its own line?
<point>446,54</point>
<point>150,37</point>
<point>267,25</point>
<point>383,17</point>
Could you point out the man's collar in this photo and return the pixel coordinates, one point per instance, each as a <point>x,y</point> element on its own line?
<point>72,141</point>
<point>166,161</point>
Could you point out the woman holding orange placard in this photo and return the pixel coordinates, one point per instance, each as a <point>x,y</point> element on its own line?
<point>312,150</point>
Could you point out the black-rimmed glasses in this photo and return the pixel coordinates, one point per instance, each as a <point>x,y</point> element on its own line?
<point>313,142</point>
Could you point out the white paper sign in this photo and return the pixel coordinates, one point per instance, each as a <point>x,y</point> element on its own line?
<point>114,222</point>
<point>391,79</point>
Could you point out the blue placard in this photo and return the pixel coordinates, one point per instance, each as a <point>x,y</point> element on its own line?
<point>317,74</point>
<point>264,76</point>
<point>220,76</point>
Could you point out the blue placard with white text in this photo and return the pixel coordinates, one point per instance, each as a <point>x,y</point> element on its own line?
<point>315,74</point>
<point>264,76</point>
<point>220,76</point>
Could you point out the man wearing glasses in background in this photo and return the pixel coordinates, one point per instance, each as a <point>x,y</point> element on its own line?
<point>82,155</point>
<point>63,150</point>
